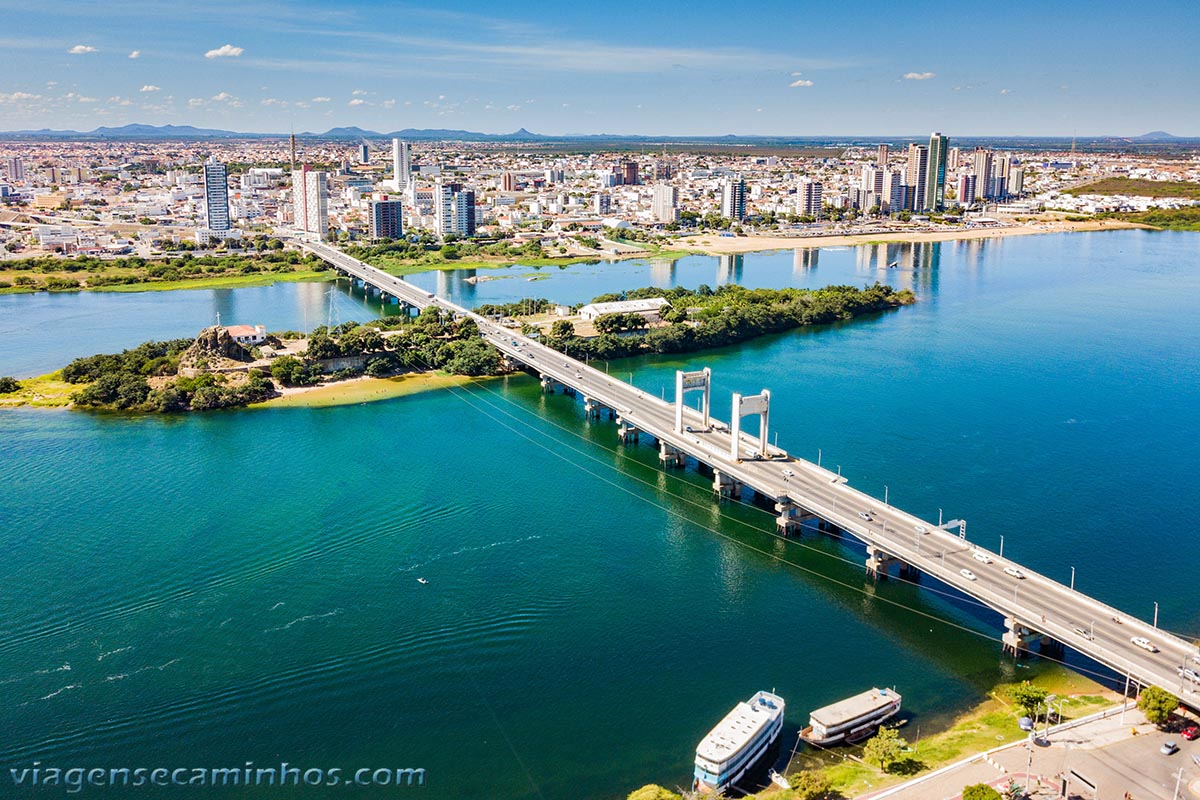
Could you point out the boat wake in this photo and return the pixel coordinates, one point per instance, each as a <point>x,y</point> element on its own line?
<point>305,618</point>
<point>464,550</point>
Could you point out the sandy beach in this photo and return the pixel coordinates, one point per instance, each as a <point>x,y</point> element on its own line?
<point>362,390</point>
<point>717,245</point>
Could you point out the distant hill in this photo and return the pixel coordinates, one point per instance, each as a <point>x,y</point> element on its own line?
<point>1155,136</point>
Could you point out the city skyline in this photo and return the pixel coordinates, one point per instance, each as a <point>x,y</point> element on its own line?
<point>620,69</point>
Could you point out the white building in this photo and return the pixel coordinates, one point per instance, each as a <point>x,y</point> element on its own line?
<point>401,165</point>
<point>648,307</point>
<point>733,199</point>
<point>310,202</point>
<point>666,201</point>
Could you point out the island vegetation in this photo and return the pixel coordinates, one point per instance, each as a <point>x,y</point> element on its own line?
<point>213,371</point>
<point>704,318</point>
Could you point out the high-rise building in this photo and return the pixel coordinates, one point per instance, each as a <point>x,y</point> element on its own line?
<point>872,179</point>
<point>733,199</point>
<point>917,175</point>
<point>16,169</point>
<point>983,172</point>
<point>809,199</point>
<point>387,218</point>
<point>216,197</point>
<point>602,204</point>
<point>310,202</point>
<point>966,190</point>
<point>508,182</point>
<point>455,208</point>
<point>1016,181</point>
<point>364,154</point>
<point>629,172</point>
<point>935,182</point>
<point>664,169</point>
<point>881,156</point>
<point>292,150</point>
<point>401,165</point>
<point>666,198</point>
<point>953,158</point>
<point>894,191</point>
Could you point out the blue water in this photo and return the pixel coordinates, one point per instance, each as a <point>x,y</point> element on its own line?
<point>210,590</point>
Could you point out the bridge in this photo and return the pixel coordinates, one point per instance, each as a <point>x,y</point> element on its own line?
<point>1034,607</point>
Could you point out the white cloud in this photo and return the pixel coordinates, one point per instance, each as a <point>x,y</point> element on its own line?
<point>225,51</point>
<point>513,107</point>
<point>80,49</point>
<point>275,101</point>
<point>150,87</point>
<point>222,97</point>
<point>359,92</point>
<point>389,103</point>
<point>919,76</point>
<point>18,97</point>
<point>321,99</point>
<point>136,54</point>
<point>1006,91</point>
<point>800,83</point>
<point>196,102</point>
<point>358,101</point>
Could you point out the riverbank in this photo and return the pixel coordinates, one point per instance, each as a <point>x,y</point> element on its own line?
<point>991,723</point>
<point>43,391</point>
<point>712,244</point>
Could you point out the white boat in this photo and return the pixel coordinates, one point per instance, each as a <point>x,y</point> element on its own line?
<point>736,743</point>
<point>422,580</point>
<point>778,779</point>
<point>852,719</point>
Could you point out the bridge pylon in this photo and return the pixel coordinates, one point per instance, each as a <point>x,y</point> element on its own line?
<point>743,407</point>
<point>691,381</point>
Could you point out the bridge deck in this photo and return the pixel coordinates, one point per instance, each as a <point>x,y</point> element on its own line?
<point>1034,601</point>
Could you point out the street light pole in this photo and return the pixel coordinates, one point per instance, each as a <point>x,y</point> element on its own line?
<point>1156,613</point>
<point>1072,579</point>
<point>1002,545</point>
<point>885,494</point>
<point>818,456</point>
<point>939,518</point>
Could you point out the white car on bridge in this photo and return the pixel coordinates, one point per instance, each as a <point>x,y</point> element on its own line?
<point>1144,643</point>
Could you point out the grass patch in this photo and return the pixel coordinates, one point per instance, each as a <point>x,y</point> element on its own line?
<point>1171,219</point>
<point>1140,188</point>
<point>44,391</point>
<point>222,281</point>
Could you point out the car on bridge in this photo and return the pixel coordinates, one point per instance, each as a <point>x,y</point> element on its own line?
<point>966,573</point>
<point>865,515</point>
<point>920,529</point>
<point>981,557</point>
<point>1144,643</point>
<point>1013,572</point>
<point>1189,673</point>
<point>1084,632</point>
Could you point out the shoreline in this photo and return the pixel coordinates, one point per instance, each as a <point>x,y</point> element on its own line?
<point>712,244</point>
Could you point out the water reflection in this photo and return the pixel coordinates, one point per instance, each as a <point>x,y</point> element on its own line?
<point>662,272</point>
<point>903,265</point>
<point>730,268</point>
<point>804,259</point>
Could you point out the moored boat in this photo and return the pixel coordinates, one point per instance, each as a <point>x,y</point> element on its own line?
<point>853,719</point>
<point>736,743</point>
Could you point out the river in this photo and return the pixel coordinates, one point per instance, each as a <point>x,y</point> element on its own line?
<point>242,586</point>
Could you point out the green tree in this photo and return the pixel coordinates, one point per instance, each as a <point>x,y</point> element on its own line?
<point>884,748</point>
<point>653,791</point>
<point>1029,698</point>
<point>9,385</point>
<point>561,329</point>
<point>809,786</point>
<point>980,791</point>
<point>1157,704</point>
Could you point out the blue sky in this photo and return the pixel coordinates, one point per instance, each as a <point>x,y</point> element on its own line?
<point>705,68</point>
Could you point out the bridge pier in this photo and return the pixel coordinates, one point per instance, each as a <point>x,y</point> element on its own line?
<point>670,456</point>
<point>591,409</point>
<point>791,518</point>
<point>548,383</point>
<point>878,562</point>
<point>1016,637</point>
<point>724,486</point>
<point>908,572</point>
<point>626,432</point>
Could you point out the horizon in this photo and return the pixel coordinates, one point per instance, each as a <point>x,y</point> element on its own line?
<point>1158,134</point>
<point>312,65</point>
